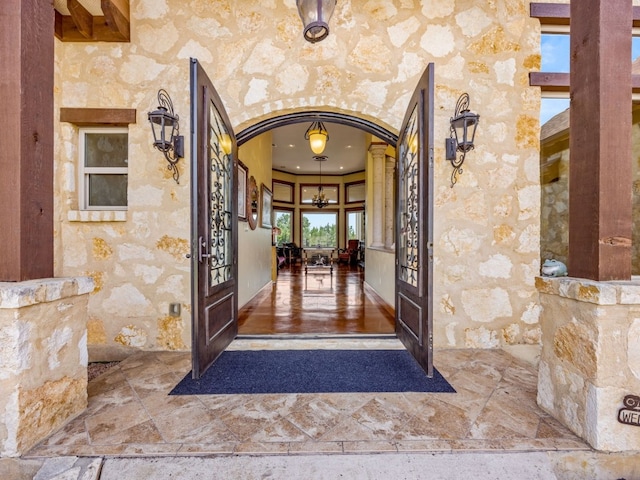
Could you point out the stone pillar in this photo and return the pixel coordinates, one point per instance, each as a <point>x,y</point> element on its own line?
<point>589,373</point>
<point>43,358</point>
<point>377,152</point>
<point>389,210</point>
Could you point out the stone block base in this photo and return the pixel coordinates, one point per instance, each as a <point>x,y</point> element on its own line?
<point>590,360</point>
<point>43,358</point>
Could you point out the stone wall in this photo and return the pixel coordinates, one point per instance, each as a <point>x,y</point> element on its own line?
<point>486,227</point>
<point>590,358</point>
<point>43,358</point>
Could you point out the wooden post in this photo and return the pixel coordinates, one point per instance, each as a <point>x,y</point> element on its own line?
<point>600,182</point>
<point>26,147</point>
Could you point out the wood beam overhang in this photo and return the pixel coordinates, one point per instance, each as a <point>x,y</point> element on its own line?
<point>82,26</point>
<point>559,82</point>
<point>560,13</point>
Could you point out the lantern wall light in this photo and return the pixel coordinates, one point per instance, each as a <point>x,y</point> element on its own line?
<point>317,135</point>
<point>165,125</point>
<point>461,135</point>
<point>315,15</point>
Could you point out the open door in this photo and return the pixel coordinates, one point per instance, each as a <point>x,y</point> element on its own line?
<point>214,222</point>
<point>414,225</point>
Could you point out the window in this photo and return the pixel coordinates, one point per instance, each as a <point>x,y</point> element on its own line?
<point>319,229</point>
<point>355,225</point>
<point>284,221</point>
<point>103,168</point>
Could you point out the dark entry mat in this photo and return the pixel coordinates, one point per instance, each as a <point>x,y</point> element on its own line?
<point>313,371</point>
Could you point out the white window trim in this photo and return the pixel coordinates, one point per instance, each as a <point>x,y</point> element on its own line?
<point>83,191</point>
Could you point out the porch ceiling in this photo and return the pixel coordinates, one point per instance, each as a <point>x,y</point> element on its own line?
<point>92,20</point>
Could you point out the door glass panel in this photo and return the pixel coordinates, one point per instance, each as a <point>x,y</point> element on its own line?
<point>220,197</point>
<point>408,207</point>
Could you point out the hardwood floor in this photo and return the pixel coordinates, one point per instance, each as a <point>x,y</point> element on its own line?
<point>316,303</point>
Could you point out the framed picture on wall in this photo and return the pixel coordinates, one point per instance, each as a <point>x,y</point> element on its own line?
<point>267,207</point>
<point>243,171</point>
<point>282,191</point>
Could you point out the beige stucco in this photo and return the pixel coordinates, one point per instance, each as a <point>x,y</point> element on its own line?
<point>486,239</point>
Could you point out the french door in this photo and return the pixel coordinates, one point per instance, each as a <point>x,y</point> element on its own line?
<point>414,225</point>
<point>214,224</point>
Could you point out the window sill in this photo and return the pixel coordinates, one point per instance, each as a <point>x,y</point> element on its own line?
<point>97,216</point>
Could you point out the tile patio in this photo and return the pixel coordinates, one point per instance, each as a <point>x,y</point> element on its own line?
<point>131,414</point>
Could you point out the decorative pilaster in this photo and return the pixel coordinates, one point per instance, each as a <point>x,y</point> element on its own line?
<point>389,170</point>
<point>377,152</point>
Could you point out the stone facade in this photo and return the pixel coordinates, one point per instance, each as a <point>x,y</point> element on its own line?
<point>590,357</point>
<point>43,358</point>
<point>486,228</point>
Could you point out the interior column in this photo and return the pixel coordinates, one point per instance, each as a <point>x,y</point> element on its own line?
<point>389,217</point>
<point>600,178</point>
<point>377,152</point>
<point>26,156</point>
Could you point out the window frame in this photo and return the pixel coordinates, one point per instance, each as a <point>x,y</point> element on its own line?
<point>84,171</point>
<point>323,211</point>
<point>291,212</point>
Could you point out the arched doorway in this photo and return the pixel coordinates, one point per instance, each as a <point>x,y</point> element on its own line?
<point>311,301</point>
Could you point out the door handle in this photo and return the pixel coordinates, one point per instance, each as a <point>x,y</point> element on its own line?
<point>202,245</point>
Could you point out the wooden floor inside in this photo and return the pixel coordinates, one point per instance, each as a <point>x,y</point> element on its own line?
<point>319,302</point>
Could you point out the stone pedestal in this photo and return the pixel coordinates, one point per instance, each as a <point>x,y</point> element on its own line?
<point>590,361</point>
<point>43,358</point>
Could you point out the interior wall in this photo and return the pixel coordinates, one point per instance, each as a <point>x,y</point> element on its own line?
<point>254,246</point>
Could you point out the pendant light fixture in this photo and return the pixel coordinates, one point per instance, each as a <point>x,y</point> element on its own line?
<point>320,200</point>
<point>315,15</point>
<point>318,136</point>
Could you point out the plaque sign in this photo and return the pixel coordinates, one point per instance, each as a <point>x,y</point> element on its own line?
<point>630,414</point>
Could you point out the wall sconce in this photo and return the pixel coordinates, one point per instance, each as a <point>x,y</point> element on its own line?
<point>461,135</point>
<point>315,15</point>
<point>165,126</point>
<point>317,135</point>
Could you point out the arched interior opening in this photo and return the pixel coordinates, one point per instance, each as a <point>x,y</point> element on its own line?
<point>306,298</point>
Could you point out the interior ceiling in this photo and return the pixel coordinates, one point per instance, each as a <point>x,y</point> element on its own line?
<point>92,6</point>
<point>346,150</point>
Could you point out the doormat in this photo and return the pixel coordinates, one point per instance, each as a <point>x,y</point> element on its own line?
<point>313,371</point>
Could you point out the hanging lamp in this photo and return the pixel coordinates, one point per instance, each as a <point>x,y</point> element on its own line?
<point>318,136</point>
<point>315,16</point>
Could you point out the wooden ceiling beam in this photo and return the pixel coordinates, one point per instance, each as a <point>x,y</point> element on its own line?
<point>81,26</point>
<point>81,17</point>
<point>560,13</point>
<point>116,13</point>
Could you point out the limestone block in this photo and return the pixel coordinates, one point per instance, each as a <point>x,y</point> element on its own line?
<point>43,344</point>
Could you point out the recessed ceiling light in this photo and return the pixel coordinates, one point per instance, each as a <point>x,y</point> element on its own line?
<point>341,167</point>
<point>348,146</point>
<point>291,145</point>
<point>298,167</point>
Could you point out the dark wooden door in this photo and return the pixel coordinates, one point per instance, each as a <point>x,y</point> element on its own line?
<point>414,225</point>
<point>214,221</point>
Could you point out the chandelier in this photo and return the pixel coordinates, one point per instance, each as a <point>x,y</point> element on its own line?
<point>320,200</point>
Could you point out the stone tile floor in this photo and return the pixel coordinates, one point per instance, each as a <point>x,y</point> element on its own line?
<point>131,414</point>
